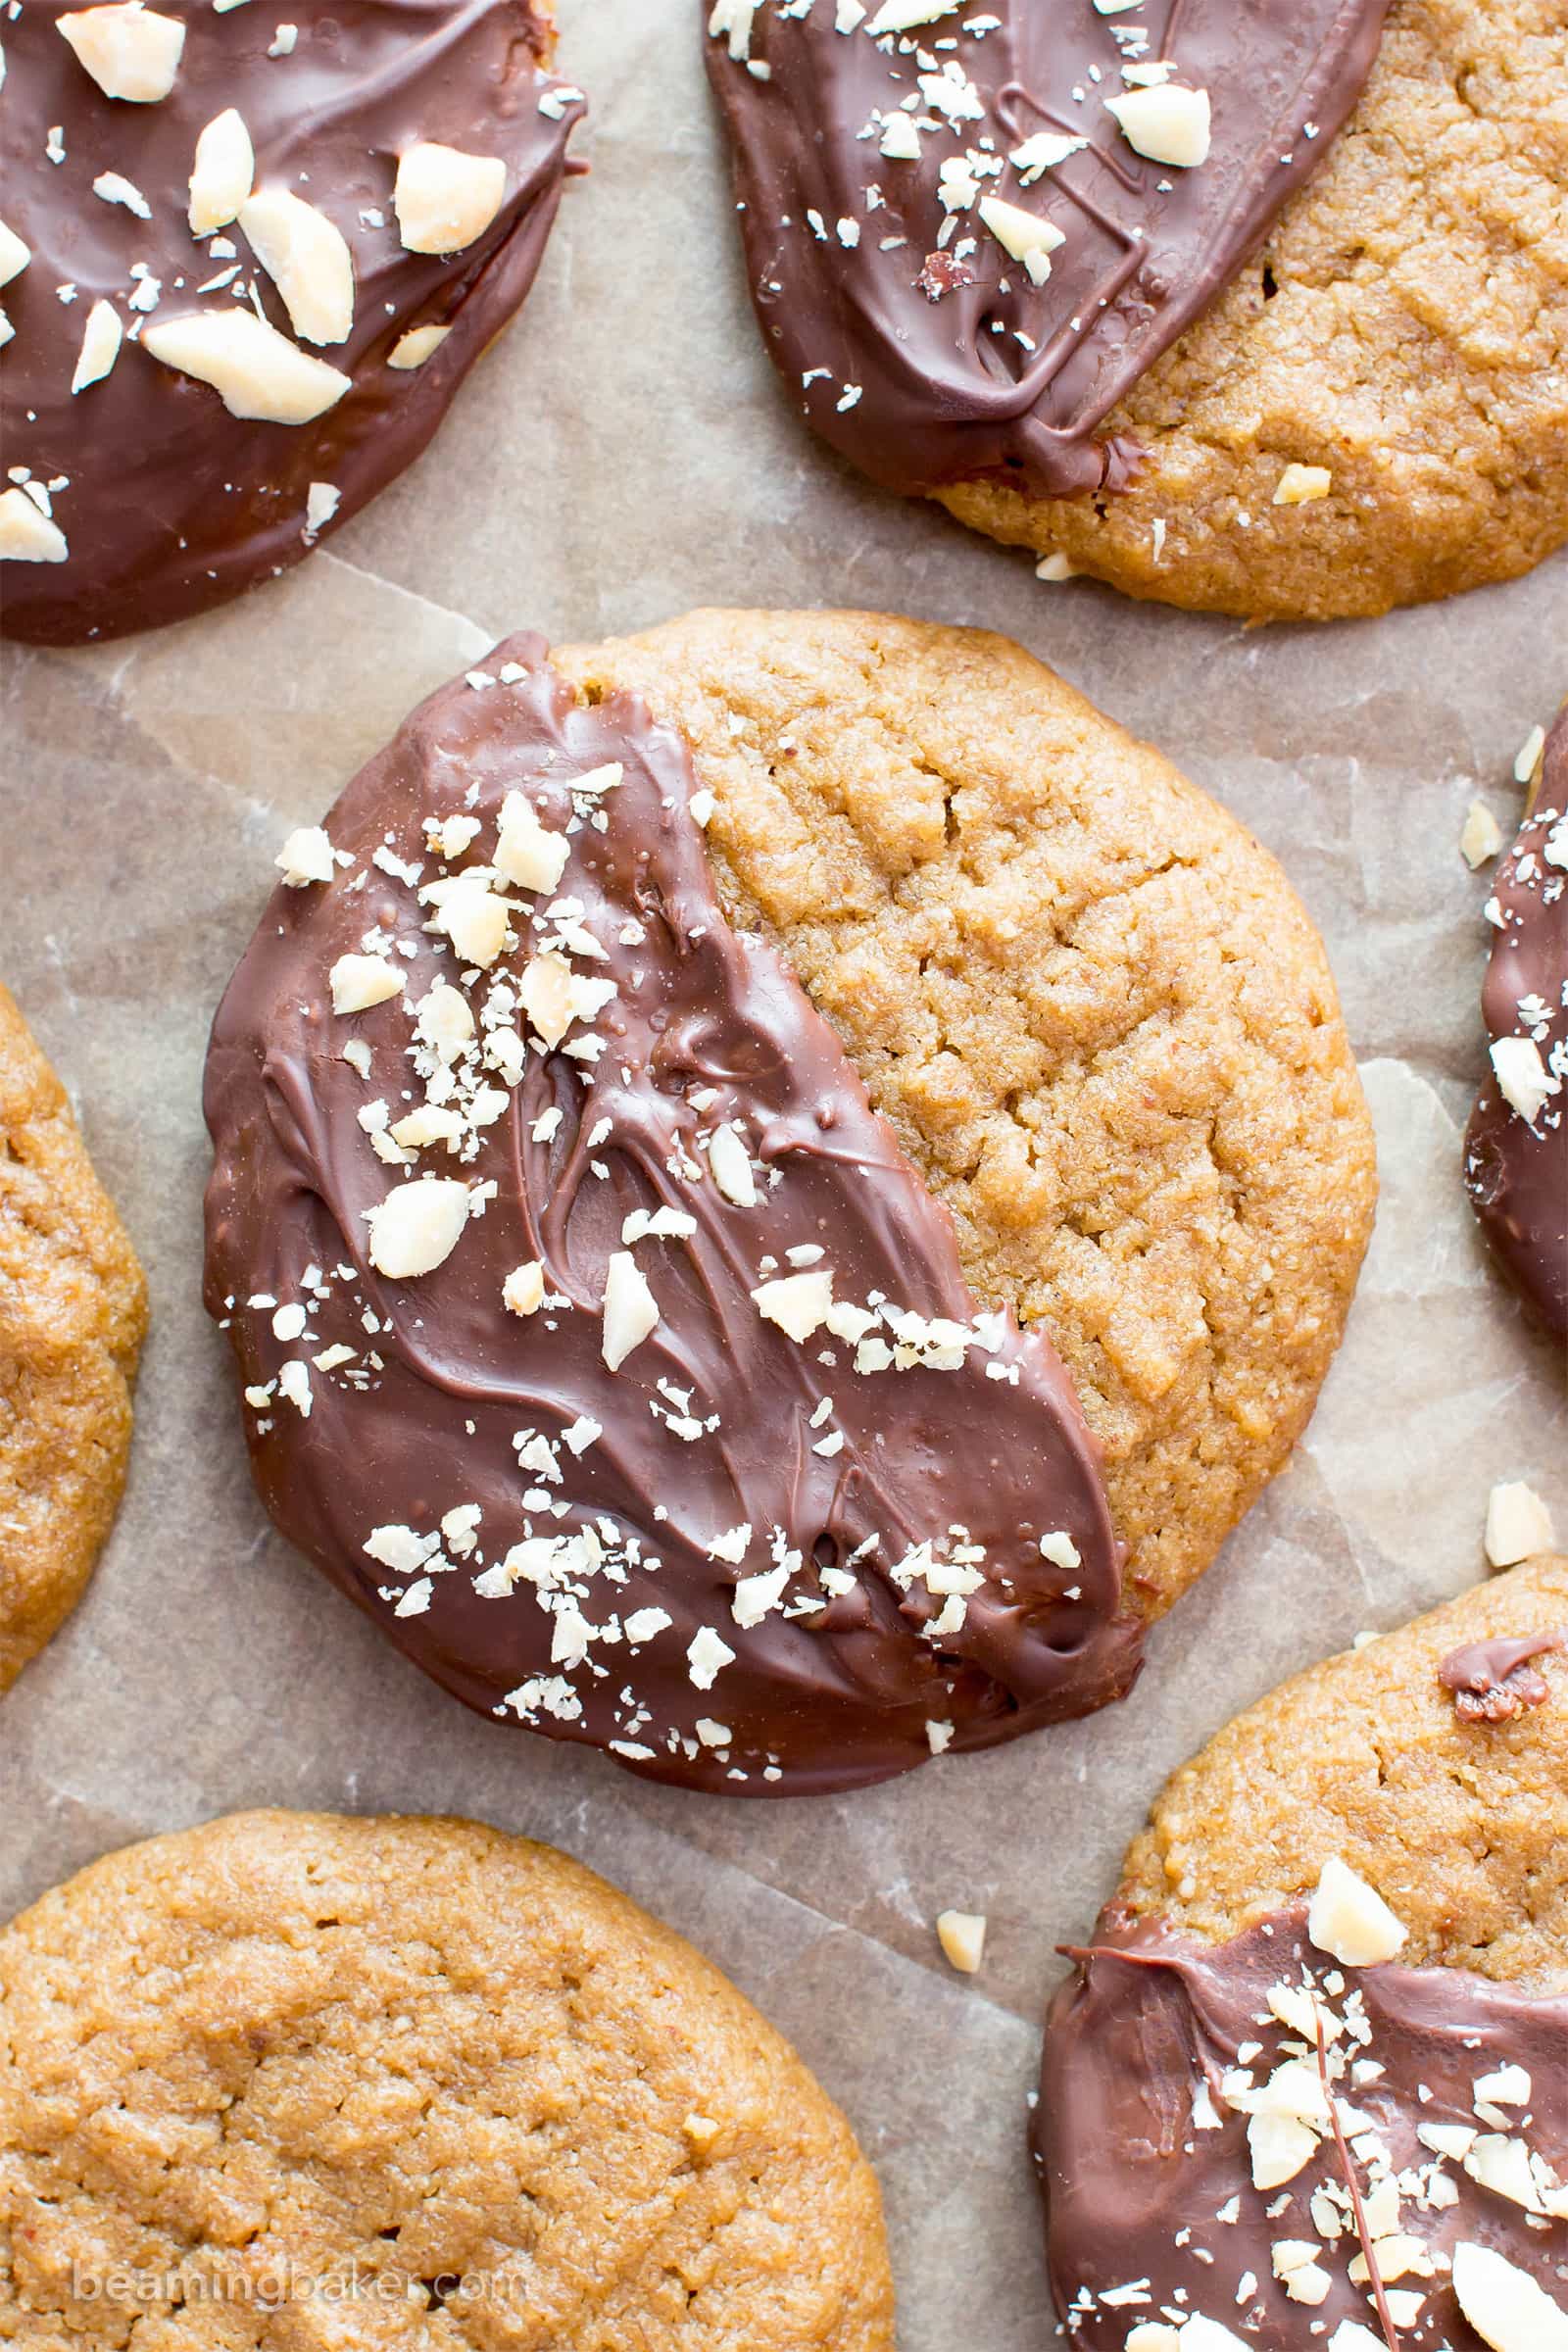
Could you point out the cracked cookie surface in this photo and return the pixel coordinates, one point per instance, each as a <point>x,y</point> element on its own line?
<point>72,1312</point>
<point>448,2065</point>
<point>1090,1005</point>
<point>1403,328</point>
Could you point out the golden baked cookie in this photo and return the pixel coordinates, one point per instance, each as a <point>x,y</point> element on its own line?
<point>1462,1826</point>
<point>72,1314</point>
<point>1403,331</point>
<point>1097,1016</point>
<point>1308,2083</point>
<point>296,2081</point>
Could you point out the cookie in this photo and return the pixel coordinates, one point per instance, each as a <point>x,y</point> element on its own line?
<point>72,1314</point>
<point>1309,2081</point>
<point>290,2078</point>
<point>1123,297</point>
<point>658,1379</point>
<point>1516,1146</point>
<point>246,267</point>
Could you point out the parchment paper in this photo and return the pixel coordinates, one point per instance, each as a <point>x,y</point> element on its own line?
<point>623,455</point>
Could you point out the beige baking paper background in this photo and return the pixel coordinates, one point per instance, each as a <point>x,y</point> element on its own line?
<point>623,455</point>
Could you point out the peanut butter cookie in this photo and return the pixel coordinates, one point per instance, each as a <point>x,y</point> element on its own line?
<point>1090,1005</point>
<point>293,2080</point>
<point>1309,2081</point>
<point>72,1313</point>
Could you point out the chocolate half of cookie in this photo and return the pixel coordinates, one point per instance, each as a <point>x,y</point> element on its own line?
<point>969,232</point>
<point>246,266</point>
<point>1516,1148</point>
<point>1303,2098</point>
<point>595,1334</point>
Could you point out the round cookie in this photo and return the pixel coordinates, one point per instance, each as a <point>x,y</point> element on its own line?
<point>72,1314</point>
<point>245,274</point>
<point>1310,2081</point>
<point>657,1381</point>
<point>1516,1146</point>
<point>1364,405</point>
<point>406,2082</point>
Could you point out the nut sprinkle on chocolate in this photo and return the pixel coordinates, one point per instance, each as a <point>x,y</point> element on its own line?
<point>595,1334</point>
<point>245,266</point>
<point>970,230</point>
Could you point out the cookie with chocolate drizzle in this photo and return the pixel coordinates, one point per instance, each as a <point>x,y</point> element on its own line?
<point>599,1330</point>
<point>1516,1146</point>
<point>246,267</point>
<point>1310,2081</point>
<point>1182,297</point>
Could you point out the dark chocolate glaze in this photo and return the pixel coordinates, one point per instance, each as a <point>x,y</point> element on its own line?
<point>924,379</point>
<point>1517,1173</point>
<point>1492,1681</point>
<point>1136,2187</point>
<point>171,504</point>
<point>836,1688</point>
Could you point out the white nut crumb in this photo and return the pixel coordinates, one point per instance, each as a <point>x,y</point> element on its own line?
<point>26,535</point>
<point>416,1227</point>
<point>528,852</point>
<point>1526,1084</point>
<point>799,1304</point>
<point>419,344</point>
<point>706,1656</point>
<point>256,372</point>
<point>1350,1919</point>
<point>129,50</point>
<point>631,1312</point>
<point>15,255</point>
<point>101,339</point>
<point>1169,125</point>
<point>1528,759</point>
<point>963,1937</point>
<point>222,173</point>
<point>444,198</point>
<point>1482,836</point>
<point>1025,235</point>
<point>1504,2305</point>
<point>901,15</point>
<point>361,981</point>
<point>1055,568</point>
<point>1301,486</point>
<point>306,856</point>
<point>1518,1525</point>
<point>732,1165</point>
<point>524,1290</point>
<point>307,258</point>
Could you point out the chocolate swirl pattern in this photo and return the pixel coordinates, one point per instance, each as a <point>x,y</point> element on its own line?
<point>1516,1148</point>
<point>367,285</point>
<point>1252,2144</point>
<point>962,257</point>
<point>595,1334</point>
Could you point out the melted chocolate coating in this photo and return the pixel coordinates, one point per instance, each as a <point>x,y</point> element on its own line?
<point>1518,1172</point>
<point>172,505</point>
<point>1493,1681</point>
<point>1136,2186</point>
<point>925,367</point>
<point>717,1421</point>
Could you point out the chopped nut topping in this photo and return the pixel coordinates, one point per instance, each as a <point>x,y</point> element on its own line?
<point>1301,485</point>
<point>307,258</point>
<point>254,371</point>
<point>416,1227</point>
<point>1350,1919</point>
<point>963,1937</point>
<point>101,339</point>
<point>419,344</point>
<point>1518,1525</point>
<point>221,174</point>
<point>28,535</point>
<point>129,50</point>
<point>1169,125</point>
<point>445,199</point>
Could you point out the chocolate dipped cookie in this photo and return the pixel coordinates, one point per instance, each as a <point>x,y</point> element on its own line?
<point>72,1316</point>
<point>1308,2083</point>
<point>779,1186</point>
<point>400,2085</point>
<point>245,267</point>
<point>1253,309</point>
<point>1516,1146</point>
